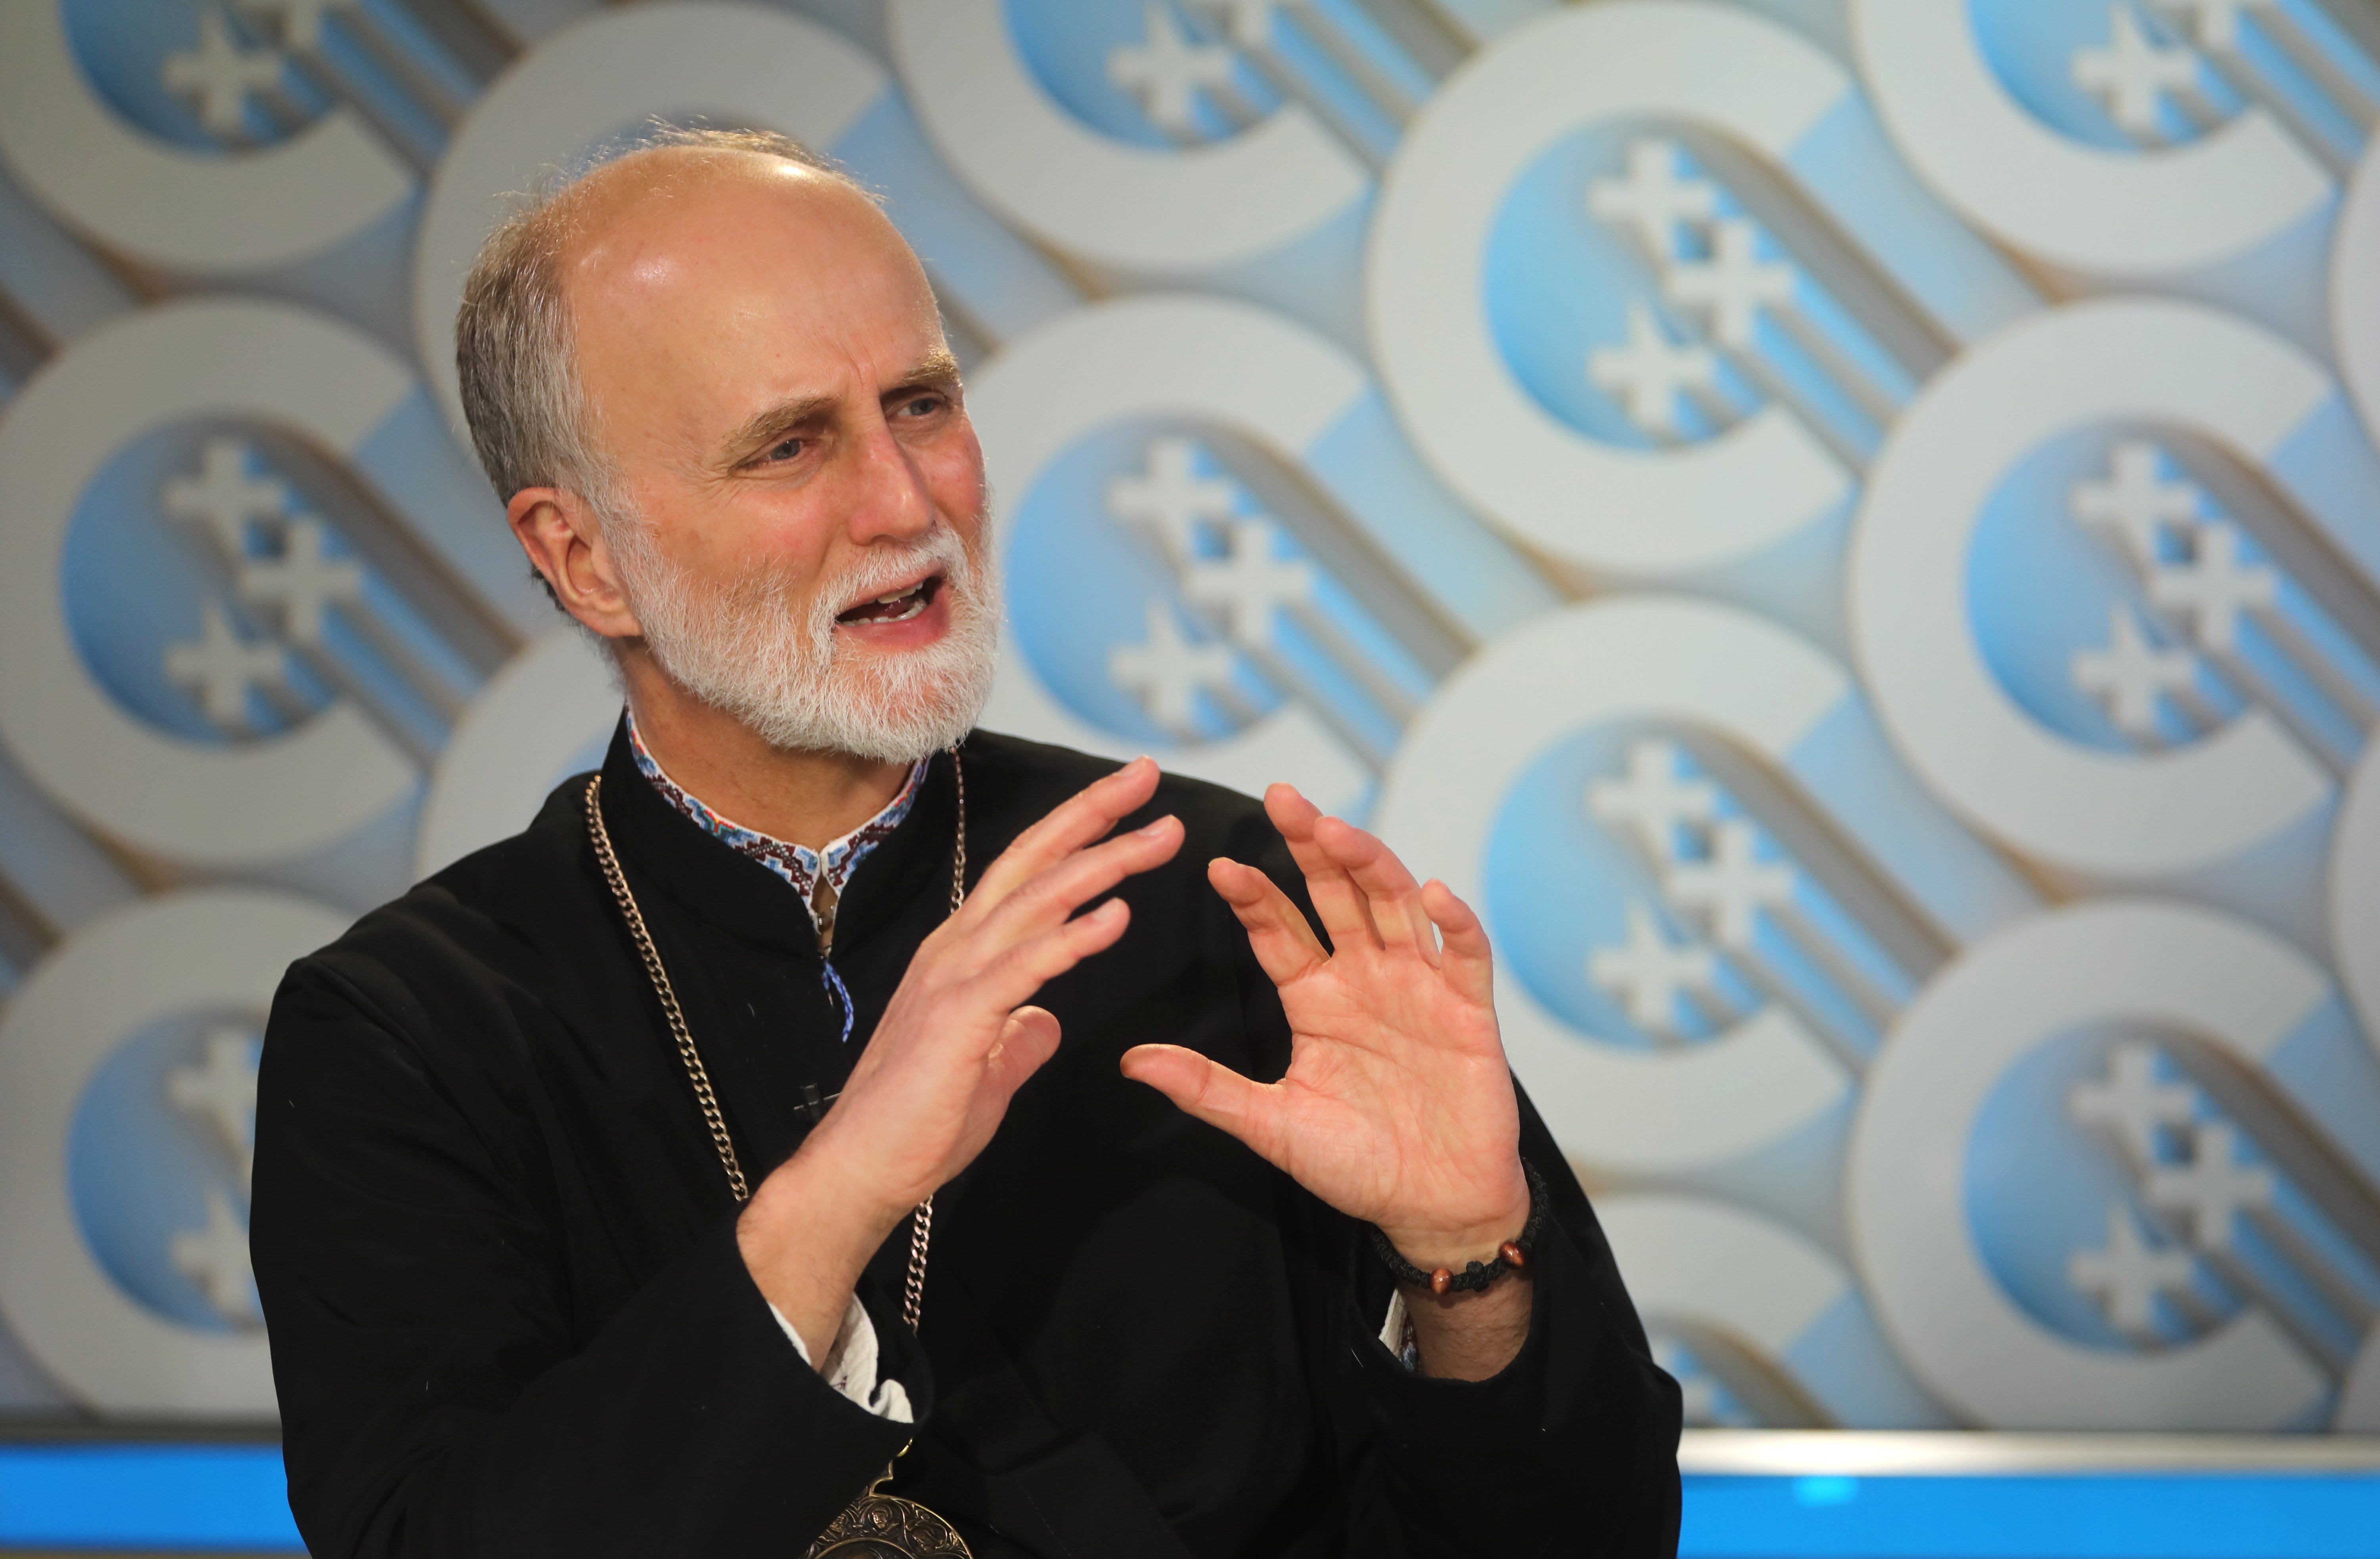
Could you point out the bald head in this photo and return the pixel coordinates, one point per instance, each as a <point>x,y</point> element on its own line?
<point>515,335</point>
<point>712,292</point>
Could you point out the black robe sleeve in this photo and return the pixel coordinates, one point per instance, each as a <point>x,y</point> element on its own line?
<point>1570,1450</point>
<point>439,1402</point>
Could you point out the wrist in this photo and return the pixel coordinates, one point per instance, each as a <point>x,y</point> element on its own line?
<point>808,1231</point>
<point>1429,1246</point>
<point>1470,1260</point>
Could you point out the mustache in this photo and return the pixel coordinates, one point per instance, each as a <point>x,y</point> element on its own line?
<point>886,565</point>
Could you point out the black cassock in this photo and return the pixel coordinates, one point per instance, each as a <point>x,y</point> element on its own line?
<point>508,1317</point>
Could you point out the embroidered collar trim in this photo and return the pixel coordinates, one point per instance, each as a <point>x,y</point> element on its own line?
<point>801,866</point>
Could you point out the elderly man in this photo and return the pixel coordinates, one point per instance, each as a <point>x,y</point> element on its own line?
<point>772,1112</point>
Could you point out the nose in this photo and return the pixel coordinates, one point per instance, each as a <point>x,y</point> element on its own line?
<point>890,499</point>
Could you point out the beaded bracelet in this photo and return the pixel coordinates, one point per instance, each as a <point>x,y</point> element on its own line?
<point>1512,1255</point>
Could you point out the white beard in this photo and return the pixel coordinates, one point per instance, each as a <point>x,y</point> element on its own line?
<point>753,651</point>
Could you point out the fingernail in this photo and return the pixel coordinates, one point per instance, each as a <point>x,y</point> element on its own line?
<point>1154,829</point>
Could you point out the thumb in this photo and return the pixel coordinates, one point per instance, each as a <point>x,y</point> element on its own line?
<point>1209,1092</point>
<point>1027,1040</point>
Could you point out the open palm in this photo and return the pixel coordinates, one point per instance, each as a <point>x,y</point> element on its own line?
<point>1398,1106</point>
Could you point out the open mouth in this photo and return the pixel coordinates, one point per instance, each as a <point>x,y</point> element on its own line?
<point>897,607</point>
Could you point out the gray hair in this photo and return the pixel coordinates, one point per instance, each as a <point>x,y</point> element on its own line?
<point>515,351</point>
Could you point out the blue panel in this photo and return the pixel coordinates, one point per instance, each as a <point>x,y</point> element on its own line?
<point>2143,1515</point>
<point>201,1498</point>
<point>191,1498</point>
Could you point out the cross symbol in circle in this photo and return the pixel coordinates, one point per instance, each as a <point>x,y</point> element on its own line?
<point>1650,199</point>
<point>2128,1274</point>
<point>216,1258</point>
<point>2134,1102</point>
<point>2133,73</point>
<point>1167,72</point>
<point>1251,583</point>
<point>1651,801</point>
<point>1732,885</point>
<point>1649,973</point>
<point>225,497</point>
<point>219,75</point>
<point>2213,1188</point>
<point>2134,503</point>
<point>1170,670</point>
<point>222,667</point>
<point>301,20</point>
<point>221,1090</point>
<point>1650,371</point>
<point>1171,498</point>
<point>302,581</point>
<point>2132,676</point>
<point>2214,587</point>
<point>1732,285</point>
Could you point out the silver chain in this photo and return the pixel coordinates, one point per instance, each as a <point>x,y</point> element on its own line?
<point>921,1220</point>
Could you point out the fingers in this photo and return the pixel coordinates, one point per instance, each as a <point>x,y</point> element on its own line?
<point>1468,962</point>
<point>1284,944</point>
<point>1345,913</point>
<point>1010,980</point>
<point>1057,892</point>
<point>1390,892</point>
<point>1211,1093</point>
<point>1086,815</point>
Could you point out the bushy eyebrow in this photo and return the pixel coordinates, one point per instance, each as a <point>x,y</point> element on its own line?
<point>939,369</point>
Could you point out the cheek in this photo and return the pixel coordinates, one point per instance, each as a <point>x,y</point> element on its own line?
<point>953,472</point>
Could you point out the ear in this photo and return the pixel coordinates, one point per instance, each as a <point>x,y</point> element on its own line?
<point>565,543</point>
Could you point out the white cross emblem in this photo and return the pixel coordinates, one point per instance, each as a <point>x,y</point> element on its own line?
<point>1649,973</point>
<point>2213,1188</point>
<point>1650,199</point>
<point>1167,72</point>
<point>1650,371</point>
<point>221,1090</point>
<point>2134,501</point>
<point>2133,73</point>
<point>1731,885</point>
<point>1732,285</point>
<point>1250,584</point>
<point>1169,671</point>
<point>2132,676</point>
<point>2132,1102</point>
<point>1171,498</point>
<point>219,75</point>
<point>222,667</point>
<point>2129,1273</point>
<point>2214,587</point>
<point>225,497</point>
<point>1651,801</point>
<point>301,581</point>
<point>216,1258</point>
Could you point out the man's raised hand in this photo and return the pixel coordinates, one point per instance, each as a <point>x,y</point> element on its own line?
<point>955,1044</point>
<point>1398,1107</point>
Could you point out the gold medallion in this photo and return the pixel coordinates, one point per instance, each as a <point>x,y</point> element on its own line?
<point>882,1525</point>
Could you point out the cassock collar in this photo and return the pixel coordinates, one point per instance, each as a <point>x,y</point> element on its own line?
<point>713,883</point>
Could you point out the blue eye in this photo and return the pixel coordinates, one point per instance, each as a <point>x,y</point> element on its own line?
<point>784,449</point>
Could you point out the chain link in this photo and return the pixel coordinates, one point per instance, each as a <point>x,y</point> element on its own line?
<point>921,1219</point>
<point>661,987</point>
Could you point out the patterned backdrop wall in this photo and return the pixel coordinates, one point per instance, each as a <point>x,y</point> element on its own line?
<point>1851,528</point>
